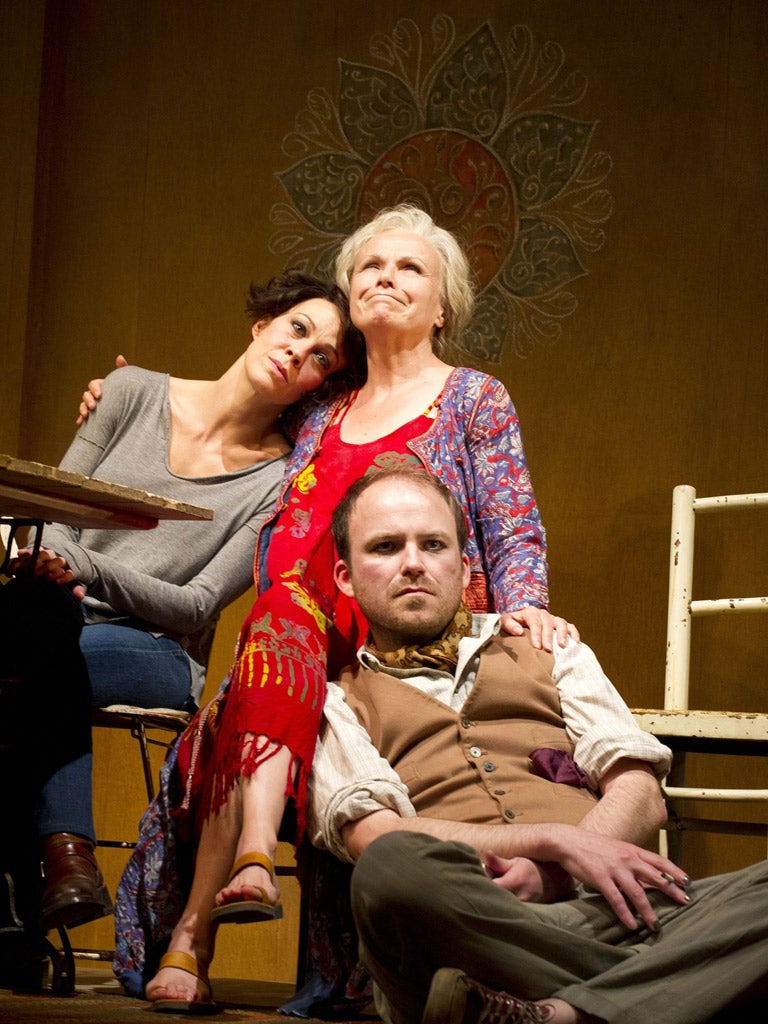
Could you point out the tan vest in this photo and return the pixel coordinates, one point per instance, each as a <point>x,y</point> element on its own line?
<point>473,765</point>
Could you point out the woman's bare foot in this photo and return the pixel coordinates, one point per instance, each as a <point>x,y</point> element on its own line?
<point>181,978</point>
<point>252,882</point>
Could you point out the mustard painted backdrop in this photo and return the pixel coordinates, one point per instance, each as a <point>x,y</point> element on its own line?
<point>160,154</point>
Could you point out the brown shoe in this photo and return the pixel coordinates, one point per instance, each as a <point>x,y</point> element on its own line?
<point>74,889</point>
<point>455,998</point>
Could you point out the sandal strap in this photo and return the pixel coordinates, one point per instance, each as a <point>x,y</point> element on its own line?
<point>183,961</point>
<point>186,962</point>
<point>247,860</point>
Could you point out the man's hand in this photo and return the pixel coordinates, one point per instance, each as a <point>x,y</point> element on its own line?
<point>49,566</point>
<point>529,881</point>
<point>93,393</point>
<point>622,873</point>
<point>543,627</point>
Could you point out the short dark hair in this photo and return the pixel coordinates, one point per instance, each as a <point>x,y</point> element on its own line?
<point>286,290</point>
<point>421,478</point>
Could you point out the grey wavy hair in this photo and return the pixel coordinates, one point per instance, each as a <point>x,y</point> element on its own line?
<point>457,292</point>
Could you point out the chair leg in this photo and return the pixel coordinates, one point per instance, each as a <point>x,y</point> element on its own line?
<point>146,763</point>
<point>63,966</point>
<point>301,970</point>
<point>673,836</point>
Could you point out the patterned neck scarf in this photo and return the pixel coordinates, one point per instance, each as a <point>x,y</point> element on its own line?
<point>442,653</point>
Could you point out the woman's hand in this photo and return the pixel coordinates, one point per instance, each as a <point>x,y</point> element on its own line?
<point>49,566</point>
<point>542,625</point>
<point>93,393</point>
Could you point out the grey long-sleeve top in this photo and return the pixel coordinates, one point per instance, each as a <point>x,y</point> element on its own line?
<point>176,579</point>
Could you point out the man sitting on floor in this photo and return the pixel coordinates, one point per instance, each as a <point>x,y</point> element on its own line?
<point>492,795</point>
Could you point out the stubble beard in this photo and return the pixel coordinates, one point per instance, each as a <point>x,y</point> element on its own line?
<point>405,629</point>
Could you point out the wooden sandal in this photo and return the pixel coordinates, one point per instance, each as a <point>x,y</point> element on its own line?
<point>245,911</point>
<point>193,1007</point>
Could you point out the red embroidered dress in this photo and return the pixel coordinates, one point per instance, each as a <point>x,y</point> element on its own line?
<point>301,628</point>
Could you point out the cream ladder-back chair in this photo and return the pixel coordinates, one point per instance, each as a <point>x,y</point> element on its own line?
<point>680,727</point>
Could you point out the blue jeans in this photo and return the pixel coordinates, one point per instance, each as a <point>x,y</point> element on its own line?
<point>125,666</point>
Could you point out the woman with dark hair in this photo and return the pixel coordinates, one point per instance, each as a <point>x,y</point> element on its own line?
<point>142,629</point>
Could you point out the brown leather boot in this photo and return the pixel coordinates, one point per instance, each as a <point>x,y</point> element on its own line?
<point>455,998</point>
<point>74,889</point>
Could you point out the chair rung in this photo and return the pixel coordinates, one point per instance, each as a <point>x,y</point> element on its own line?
<point>739,726</point>
<point>104,955</point>
<point>724,605</point>
<point>717,826</point>
<point>699,793</point>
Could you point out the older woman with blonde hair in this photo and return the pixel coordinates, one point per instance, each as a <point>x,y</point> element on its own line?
<point>248,754</point>
<point>456,273</point>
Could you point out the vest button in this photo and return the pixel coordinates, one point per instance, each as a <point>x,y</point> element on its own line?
<point>475,751</point>
<point>499,792</point>
<point>489,766</point>
<point>509,814</point>
<point>465,723</point>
